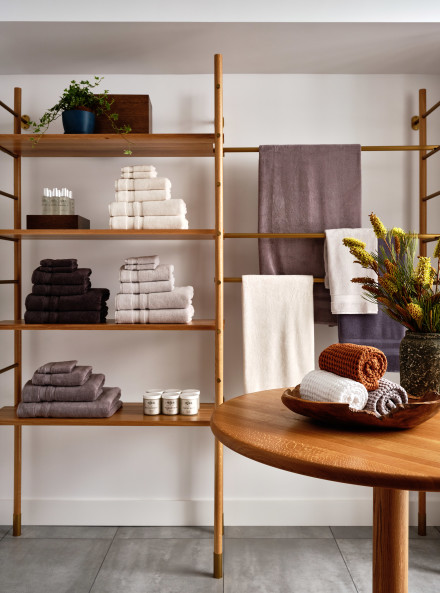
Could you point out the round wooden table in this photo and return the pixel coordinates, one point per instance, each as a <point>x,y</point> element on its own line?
<point>259,426</point>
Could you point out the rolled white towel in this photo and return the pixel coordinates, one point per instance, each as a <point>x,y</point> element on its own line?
<point>121,222</point>
<point>165,222</point>
<point>142,195</point>
<point>322,386</point>
<point>139,175</point>
<point>121,208</point>
<point>173,207</point>
<point>142,184</point>
<point>137,168</point>
<point>162,272</point>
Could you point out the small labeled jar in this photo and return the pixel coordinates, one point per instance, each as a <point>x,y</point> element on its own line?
<point>154,391</point>
<point>172,391</point>
<point>170,403</point>
<point>152,403</point>
<point>189,404</point>
<point>196,392</point>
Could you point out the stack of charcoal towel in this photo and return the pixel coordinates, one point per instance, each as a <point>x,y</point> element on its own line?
<point>147,293</point>
<point>143,201</point>
<point>353,374</point>
<point>62,293</point>
<point>65,390</point>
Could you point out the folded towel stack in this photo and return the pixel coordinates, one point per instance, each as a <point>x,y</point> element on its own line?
<point>147,293</point>
<point>353,374</point>
<point>65,390</point>
<point>143,201</point>
<point>62,293</point>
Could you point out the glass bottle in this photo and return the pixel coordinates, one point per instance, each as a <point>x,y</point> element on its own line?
<point>45,201</point>
<point>55,201</point>
<point>64,204</point>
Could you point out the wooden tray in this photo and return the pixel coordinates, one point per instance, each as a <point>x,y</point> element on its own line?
<point>418,410</point>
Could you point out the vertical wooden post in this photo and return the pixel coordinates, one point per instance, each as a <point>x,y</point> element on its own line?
<point>219,313</point>
<point>390,541</point>
<point>17,315</point>
<point>423,191</point>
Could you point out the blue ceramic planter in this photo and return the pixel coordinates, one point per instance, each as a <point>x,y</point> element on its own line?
<point>77,121</point>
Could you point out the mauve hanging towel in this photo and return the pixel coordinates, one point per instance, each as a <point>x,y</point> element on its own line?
<point>306,189</point>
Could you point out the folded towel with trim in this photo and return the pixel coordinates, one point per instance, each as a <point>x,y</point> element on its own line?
<point>56,263</point>
<point>346,296</point>
<point>386,397</point>
<point>58,269</point>
<point>139,175</point>
<point>137,168</point>
<point>140,267</point>
<point>87,392</point>
<point>179,298</point>
<point>146,287</point>
<point>153,195</point>
<point>173,207</point>
<point>66,316</point>
<point>360,363</point>
<point>121,222</point>
<point>143,184</point>
<point>76,277</point>
<point>78,376</point>
<point>162,272</point>
<point>105,406</point>
<point>155,316</point>
<point>164,222</point>
<point>143,260</point>
<point>121,208</point>
<point>54,368</point>
<point>322,386</point>
<point>61,289</point>
<point>92,300</point>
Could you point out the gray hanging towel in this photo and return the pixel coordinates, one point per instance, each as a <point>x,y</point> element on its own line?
<point>306,189</point>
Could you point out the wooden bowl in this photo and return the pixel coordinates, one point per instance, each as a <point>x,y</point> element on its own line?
<point>416,411</point>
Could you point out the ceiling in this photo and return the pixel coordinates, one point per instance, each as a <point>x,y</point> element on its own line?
<point>188,48</point>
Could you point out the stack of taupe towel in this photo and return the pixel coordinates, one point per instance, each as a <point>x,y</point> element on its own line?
<point>62,293</point>
<point>147,293</point>
<point>65,390</point>
<point>143,201</point>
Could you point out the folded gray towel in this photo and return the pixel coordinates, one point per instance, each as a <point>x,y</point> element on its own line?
<point>162,272</point>
<point>386,397</point>
<point>78,376</point>
<point>179,298</point>
<point>105,406</point>
<point>53,368</point>
<point>88,392</point>
<point>143,260</point>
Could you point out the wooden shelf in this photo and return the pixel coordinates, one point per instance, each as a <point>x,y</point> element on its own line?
<point>109,145</point>
<point>107,234</point>
<point>131,414</point>
<point>195,325</point>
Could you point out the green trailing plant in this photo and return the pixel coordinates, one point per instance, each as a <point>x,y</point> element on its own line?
<point>408,294</point>
<point>76,96</point>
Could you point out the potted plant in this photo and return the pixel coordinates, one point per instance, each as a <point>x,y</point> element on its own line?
<point>409,295</point>
<point>78,106</point>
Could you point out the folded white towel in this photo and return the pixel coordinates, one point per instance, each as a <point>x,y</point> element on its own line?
<point>140,267</point>
<point>156,316</point>
<point>321,386</point>
<point>143,260</point>
<point>121,222</point>
<point>165,222</point>
<point>142,184</point>
<point>171,207</point>
<point>121,208</point>
<point>278,332</point>
<point>179,298</point>
<point>142,195</point>
<point>139,175</point>
<point>146,287</point>
<point>346,296</point>
<point>162,272</point>
<point>138,168</point>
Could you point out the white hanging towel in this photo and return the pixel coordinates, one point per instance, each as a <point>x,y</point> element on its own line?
<point>278,331</point>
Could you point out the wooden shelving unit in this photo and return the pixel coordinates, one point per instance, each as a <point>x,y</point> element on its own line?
<point>113,145</point>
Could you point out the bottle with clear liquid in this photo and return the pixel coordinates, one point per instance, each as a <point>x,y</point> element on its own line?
<point>71,203</point>
<point>45,201</point>
<point>64,205</point>
<point>55,201</point>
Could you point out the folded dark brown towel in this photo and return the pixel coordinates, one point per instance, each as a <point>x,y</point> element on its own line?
<point>92,300</point>
<point>61,289</point>
<point>78,376</point>
<point>57,263</point>
<point>88,392</point>
<point>76,277</point>
<point>105,406</point>
<point>54,368</point>
<point>66,316</point>
<point>57,270</point>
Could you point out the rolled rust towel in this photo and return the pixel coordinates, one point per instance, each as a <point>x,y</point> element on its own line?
<point>79,276</point>
<point>93,300</point>
<point>386,397</point>
<point>55,368</point>
<point>88,392</point>
<point>61,289</point>
<point>78,376</point>
<point>364,364</point>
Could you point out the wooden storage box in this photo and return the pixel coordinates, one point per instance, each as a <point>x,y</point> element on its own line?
<point>134,110</point>
<point>57,221</point>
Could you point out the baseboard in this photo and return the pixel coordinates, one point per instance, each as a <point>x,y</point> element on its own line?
<point>200,512</point>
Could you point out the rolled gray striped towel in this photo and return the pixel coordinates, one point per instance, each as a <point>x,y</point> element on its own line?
<point>386,397</point>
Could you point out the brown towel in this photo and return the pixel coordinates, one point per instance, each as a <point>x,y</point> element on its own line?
<point>54,368</point>
<point>88,392</point>
<point>57,263</point>
<point>364,364</point>
<point>92,300</point>
<point>79,276</point>
<point>61,289</point>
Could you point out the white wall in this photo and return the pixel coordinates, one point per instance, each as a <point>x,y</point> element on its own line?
<point>165,476</point>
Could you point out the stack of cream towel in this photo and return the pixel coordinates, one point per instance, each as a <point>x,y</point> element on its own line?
<point>147,293</point>
<point>143,201</point>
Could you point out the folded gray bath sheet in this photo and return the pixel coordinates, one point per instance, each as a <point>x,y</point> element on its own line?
<point>54,368</point>
<point>105,406</point>
<point>88,392</point>
<point>78,376</point>
<point>76,277</point>
<point>306,189</point>
<point>162,272</point>
<point>179,298</point>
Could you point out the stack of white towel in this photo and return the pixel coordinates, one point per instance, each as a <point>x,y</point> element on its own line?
<point>143,201</point>
<point>147,293</point>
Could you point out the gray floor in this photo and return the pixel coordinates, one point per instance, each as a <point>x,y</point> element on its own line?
<point>179,560</point>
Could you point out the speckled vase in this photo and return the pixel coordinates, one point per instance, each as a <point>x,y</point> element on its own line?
<point>420,363</point>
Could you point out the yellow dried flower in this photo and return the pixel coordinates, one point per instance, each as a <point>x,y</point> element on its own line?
<point>389,266</point>
<point>398,232</point>
<point>423,271</point>
<point>351,242</point>
<point>387,283</point>
<point>363,280</point>
<point>397,245</point>
<point>366,260</point>
<point>415,311</point>
<point>437,249</point>
<point>379,228</point>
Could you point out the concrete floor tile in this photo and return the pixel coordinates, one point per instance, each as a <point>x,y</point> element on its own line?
<point>164,532</point>
<point>4,530</point>
<point>65,532</point>
<point>367,533</point>
<point>275,532</point>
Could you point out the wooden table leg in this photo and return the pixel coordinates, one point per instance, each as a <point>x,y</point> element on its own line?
<point>390,541</point>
